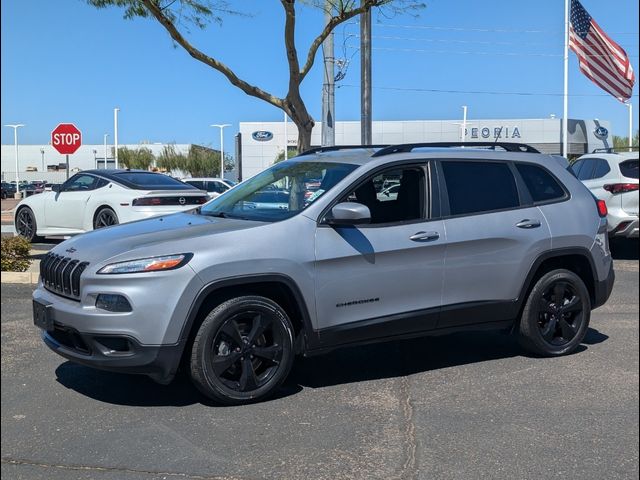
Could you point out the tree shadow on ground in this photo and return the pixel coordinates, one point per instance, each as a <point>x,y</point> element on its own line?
<point>347,365</point>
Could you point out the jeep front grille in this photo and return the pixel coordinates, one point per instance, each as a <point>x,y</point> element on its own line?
<point>61,275</point>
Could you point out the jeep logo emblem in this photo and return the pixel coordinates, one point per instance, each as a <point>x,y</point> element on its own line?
<point>262,136</point>
<point>601,133</point>
<point>182,201</point>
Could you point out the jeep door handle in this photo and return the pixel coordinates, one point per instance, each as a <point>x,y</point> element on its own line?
<point>526,223</point>
<point>424,236</point>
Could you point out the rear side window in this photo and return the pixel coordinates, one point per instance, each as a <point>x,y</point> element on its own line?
<point>199,184</point>
<point>601,169</point>
<point>542,186</point>
<point>586,171</point>
<point>475,187</point>
<point>629,168</point>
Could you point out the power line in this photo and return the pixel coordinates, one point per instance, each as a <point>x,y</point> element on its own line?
<point>465,42</point>
<point>483,92</point>
<point>485,30</point>
<point>451,52</point>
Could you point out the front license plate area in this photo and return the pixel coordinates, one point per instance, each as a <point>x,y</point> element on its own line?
<point>42,316</point>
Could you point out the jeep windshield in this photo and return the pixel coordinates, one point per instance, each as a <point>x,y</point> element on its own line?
<point>279,192</point>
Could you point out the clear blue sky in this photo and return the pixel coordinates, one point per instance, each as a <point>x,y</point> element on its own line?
<point>66,61</point>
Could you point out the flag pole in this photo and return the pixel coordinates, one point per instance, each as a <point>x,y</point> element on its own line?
<point>565,98</point>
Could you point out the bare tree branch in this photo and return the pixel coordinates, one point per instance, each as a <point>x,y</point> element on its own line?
<point>246,87</point>
<point>290,44</point>
<point>342,16</point>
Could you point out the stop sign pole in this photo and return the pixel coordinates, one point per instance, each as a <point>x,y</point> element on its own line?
<point>66,138</point>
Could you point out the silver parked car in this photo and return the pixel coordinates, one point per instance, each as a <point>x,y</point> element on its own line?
<point>474,239</point>
<point>613,177</point>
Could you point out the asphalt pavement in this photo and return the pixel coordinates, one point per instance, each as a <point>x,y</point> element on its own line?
<point>464,406</point>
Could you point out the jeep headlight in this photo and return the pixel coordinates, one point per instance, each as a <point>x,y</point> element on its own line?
<point>151,264</point>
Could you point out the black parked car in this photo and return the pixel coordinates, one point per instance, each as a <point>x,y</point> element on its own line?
<point>8,190</point>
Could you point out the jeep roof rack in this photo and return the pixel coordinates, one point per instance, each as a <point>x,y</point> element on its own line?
<point>407,147</point>
<point>334,148</point>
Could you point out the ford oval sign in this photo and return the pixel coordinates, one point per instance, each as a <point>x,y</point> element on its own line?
<point>601,132</point>
<point>262,136</point>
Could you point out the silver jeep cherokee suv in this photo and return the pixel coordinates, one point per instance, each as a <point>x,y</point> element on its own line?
<point>319,252</point>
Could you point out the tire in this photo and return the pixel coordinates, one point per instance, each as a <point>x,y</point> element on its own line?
<point>243,351</point>
<point>26,225</point>
<point>105,217</point>
<point>548,329</point>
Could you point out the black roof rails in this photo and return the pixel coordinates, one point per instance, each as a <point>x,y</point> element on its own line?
<point>615,149</point>
<point>407,147</point>
<point>334,148</point>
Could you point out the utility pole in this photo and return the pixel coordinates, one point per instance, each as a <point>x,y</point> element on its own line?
<point>15,146</point>
<point>328,89</point>
<point>221,127</point>
<point>630,107</point>
<point>365,77</point>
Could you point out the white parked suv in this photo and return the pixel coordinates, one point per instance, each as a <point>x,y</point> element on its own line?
<point>613,177</point>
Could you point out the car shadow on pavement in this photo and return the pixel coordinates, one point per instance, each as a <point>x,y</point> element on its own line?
<point>342,366</point>
<point>624,248</point>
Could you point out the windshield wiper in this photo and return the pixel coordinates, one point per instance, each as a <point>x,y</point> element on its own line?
<point>215,214</point>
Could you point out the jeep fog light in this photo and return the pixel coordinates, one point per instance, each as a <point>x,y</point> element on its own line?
<point>113,303</point>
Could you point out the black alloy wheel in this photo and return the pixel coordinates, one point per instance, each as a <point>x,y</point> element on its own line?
<point>26,224</point>
<point>556,315</point>
<point>105,218</point>
<point>243,350</point>
<point>561,313</point>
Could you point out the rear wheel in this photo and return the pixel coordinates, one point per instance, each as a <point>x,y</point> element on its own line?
<point>243,350</point>
<point>26,224</point>
<point>556,316</point>
<point>105,217</point>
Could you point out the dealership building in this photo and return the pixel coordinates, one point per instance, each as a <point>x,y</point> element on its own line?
<point>43,162</point>
<point>260,143</point>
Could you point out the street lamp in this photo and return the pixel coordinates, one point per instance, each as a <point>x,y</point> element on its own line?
<point>221,127</point>
<point>115,134</point>
<point>15,143</point>
<point>105,149</point>
<point>42,154</point>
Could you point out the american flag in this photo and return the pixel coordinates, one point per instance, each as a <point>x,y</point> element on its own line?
<point>601,59</point>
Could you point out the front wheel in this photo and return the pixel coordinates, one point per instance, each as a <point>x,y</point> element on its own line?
<point>26,225</point>
<point>243,350</point>
<point>556,316</point>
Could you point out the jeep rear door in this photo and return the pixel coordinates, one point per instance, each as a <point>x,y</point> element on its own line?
<point>387,275</point>
<point>494,233</point>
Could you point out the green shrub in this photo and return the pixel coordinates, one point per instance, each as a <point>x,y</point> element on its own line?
<point>15,254</point>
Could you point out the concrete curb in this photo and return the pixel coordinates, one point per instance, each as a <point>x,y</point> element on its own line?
<point>20,277</point>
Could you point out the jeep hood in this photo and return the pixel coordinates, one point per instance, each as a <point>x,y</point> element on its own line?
<point>105,243</point>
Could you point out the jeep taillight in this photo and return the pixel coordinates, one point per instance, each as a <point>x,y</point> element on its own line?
<point>602,208</point>
<point>621,187</point>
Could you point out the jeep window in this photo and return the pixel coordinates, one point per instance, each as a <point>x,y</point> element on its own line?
<point>279,192</point>
<point>476,187</point>
<point>393,196</point>
<point>629,168</point>
<point>542,186</point>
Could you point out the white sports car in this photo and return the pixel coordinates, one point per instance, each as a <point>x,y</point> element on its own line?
<point>99,198</point>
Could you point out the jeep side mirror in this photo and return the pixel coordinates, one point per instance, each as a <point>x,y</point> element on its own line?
<point>349,213</point>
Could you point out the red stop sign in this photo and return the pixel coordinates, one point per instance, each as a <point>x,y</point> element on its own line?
<point>66,138</point>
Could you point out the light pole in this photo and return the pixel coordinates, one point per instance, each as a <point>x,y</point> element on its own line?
<point>630,106</point>
<point>115,134</point>
<point>42,153</point>
<point>15,144</point>
<point>221,127</point>
<point>105,149</point>
<point>95,158</point>
<point>463,134</point>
